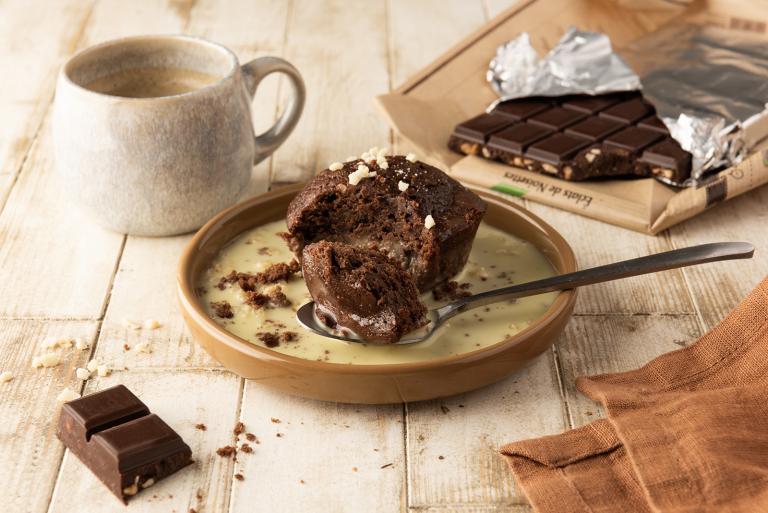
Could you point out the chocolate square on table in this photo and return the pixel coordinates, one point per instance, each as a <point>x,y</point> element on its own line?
<point>632,139</point>
<point>479,128</point>
<point>557,118</point>
<point>653,123</point>
<point>556,148</point>
<point>593,104</point>
<point>128,448</point>
<point>629,111</point>
<point>521,109</point>
<point>594,128</point>
<point>668,154</point>
<point>517,138</point>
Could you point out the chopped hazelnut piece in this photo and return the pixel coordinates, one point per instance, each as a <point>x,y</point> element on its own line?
<point>336,166</point>
<point>81,344</point>
<point>127,323</point>
<point>5,376</point>
<point>102,370</point>
<point>92,365</point>
<point>67,395</point>
<point>49,360</point>
<point>82,374</point>
<point>402,186</point>
<point>429,222</point>
<point>362,172</point>
<point>411,157</point>
<point>142,347</point>
<point>151,324</point>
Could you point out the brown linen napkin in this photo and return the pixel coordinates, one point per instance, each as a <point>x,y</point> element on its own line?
<point>688,432</point>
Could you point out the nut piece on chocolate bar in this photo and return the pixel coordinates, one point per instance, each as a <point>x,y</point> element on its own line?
<point>668,159</point>
<point>128,448</point>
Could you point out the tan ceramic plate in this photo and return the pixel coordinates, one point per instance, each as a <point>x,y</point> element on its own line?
<point>370,384</point>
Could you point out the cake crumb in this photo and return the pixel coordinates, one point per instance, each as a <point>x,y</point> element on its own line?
<point>279,435</point>
<point>67,395</point>
<point>354,469</point>
<point>5,376</point>
<point>269,339</point>
<point>411,157</point>
<point>445,409</point>
<point>275,421</point>
<point>441,457</point>
<point>82,374</point>
<point>429,222</point>
<point>238,429</point>
<point>201,427</point>
<point>450,291</point>
<point>222,309</point>
<point>302,481</point>
<point>403,186</point>
<point>126,347</point>
<point>246,448</point>
<point>226,451</point>
<point>251,437</point>
<point>290,336</point>
<point>239,476</point>
<point>336,166</point>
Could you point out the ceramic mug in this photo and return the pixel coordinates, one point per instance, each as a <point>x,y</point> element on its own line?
<point>153,134</point>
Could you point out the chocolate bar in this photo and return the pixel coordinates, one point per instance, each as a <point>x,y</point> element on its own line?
<point>114,434</point>
<point>576,137</point>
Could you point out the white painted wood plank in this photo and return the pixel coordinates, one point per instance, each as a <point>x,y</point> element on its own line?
<point>317,456</point>
<point>460,508</point>
<point>614,343</point>
<point>29,450</point>
<point>36,37</point>
<point>596,243</point>
<point>55,262</point>
<point>341,50</point>
<point>718,288</point>
<point>182,400</point>
<point>467,431</point>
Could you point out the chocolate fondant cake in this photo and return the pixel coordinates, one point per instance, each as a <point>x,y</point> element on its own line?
<point>362,290</point>
<point>412,212</point>
<point>577,137</point>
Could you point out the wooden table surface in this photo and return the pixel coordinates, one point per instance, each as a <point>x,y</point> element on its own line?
<point>60,275</point>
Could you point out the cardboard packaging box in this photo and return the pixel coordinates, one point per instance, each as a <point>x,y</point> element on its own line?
<point>453,88</point>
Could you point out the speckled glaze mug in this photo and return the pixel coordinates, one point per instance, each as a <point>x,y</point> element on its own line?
<point>153,134</point>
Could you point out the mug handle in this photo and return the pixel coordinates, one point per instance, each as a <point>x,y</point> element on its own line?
<point>253,73</point>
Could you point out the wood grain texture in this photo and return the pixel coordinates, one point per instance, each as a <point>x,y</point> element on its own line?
<point>317,456</point>
<point>182,400</point>
<point>596,243</point>
<point>29,450</point>
<point>35,40</point>
<point>453,443</point>
<point>717,288</point>
<point>614,343</point>
<point>341,50</point>
<point>56,262</point>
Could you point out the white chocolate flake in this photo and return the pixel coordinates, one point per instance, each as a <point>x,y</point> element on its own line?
<point>402,186</point>
<point>411,157</point>
<point>82,374</point>
<point>336,166</point>
<point>67,395</point>
<point>429,222</point>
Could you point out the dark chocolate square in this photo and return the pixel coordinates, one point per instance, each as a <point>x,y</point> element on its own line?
<point>592,104</point>
<point>108,408</point>
<point>556,148</point>
<point>629,111</point>
<point>479,128</point>
<point>632,139</point>
<point>557,118</point>
<point>521,109</point>
<point>654,123</point>
<point>594,128</point>
<point>517,138</point>
<point>667,154</point>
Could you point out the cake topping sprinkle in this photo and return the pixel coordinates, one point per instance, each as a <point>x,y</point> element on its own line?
<point>429,222</point>
<point>362,172</point>
<point>411,157</point>
<point>336,166</point>
<point>402,186</point>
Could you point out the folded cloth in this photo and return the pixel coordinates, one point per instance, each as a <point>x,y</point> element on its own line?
<point>688,432</point>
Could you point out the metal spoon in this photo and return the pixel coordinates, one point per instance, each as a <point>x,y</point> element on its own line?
<point>648,264</point>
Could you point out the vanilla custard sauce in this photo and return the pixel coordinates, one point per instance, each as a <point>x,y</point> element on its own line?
<point>497,260</point>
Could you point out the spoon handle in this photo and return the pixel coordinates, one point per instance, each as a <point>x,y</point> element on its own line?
<point>648,264</point>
